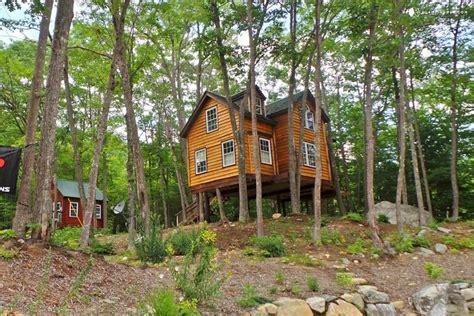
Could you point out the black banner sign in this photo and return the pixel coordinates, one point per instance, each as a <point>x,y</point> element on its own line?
<point>9,165</point>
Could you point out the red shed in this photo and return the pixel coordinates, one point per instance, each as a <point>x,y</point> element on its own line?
<point>69,210</point>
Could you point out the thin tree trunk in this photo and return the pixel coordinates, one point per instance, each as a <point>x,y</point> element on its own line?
<point>48,128</point>
<point>131,197</point>
<point>23,205</point>
<point>369,133</point>
<point>220,202</point>
<point>163,196</point>
<point>104,188</point>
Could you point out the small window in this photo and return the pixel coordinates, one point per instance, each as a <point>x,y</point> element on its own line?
<point>57,212</point>
<point>201,161</point>
<point>74,209</point>
<point>259,106</point>
<point>98,211</point>
<point>265,151</point>
<point>309,119</point>
<point>309,154</point>
<point>211,119</point>
<point>228,153</point>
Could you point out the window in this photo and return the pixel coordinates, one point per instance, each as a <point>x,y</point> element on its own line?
<point>74,209</point>
<point>57,213</point>
<point>309,119</point>
<point>265,151</point>
<point>211,119</point>
<point>309,155</point>
<point>259,106</point>
<point>201,161</point>
<point>98,211</point>
<point>228,153</point>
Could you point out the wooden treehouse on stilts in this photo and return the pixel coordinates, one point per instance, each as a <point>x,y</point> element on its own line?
<point>212,150</point>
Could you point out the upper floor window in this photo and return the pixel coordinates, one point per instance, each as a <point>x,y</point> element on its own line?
<point>201,161</point>
<point>74,209</point>
<point>265,151</point>
<point>211,119</point>
<point>309,154</point>
<point>98,211</point>
<point>259,106</point>
<point>309,119</point>
<point>228,153</point>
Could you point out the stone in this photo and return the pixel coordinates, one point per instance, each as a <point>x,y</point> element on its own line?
<point>372,296</point>
<point>276,215</point>
<point>440,248</point>
<point>268,309</point>
<point>399,305</point>
<point>328,297</point>
<point>380,310</point>
<point>422,232</point>
<point>290,306</point>
<point>468,294</point>
<point>426,251</point>
<point>444,230</point>
<point>339,266</point>
<point>431,299</point>
<point>354,298</point>
<point>409,213</point>
<point>346,261</point>
<point>459,286</point>
<point>258,313</point>
<point>317,304</point>
<point>359,281</point>
<point>342,308</point>
<point>470,305</point>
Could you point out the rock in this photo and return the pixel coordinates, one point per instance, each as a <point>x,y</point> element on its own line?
<point>268,309</point>
<point>372,296</point>
<point>422,232</point>
<point>107,301</point>
<point>459,286</point>
<point>470,305</point>
<point>359,281</point>
<point>346,261</point>
<point>355,299</point>
<point>290,306</point>
<point>398,304</point>
<point>468,294</point>
<point>339,266</point>
<point>380,310</point>
<point>426,251</point>
<point>317,304</point>
<point>258,312</point>
<point>431,299</point>
<point>329,298</point>
<point>409,213</point>
<point>276,215</point>
<point>342,308</point>
<point>444,230</point>
<point>440,248</point>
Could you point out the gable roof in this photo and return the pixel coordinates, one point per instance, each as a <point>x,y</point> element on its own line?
<point>69,188</point>
<point>279,106</point>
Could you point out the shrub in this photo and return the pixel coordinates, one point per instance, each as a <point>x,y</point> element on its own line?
<point>271,246</point>
<point>182,241</point>
<point>359,246</point>
<point>151,248</point>
<point>433,270</point>
<point>421,241</point>
<point>279,277</point>
<point>457,242</point>
<point>382,218</point>
<point>7,234</point>
<point>343,279</point>
<point>67,237</point>
<point>102,249</point>
<point>331,237</point>
<point>250,298</point>
<point>402,242</point>
<point>313,283</point>
<point>355,217</point>
<point>162,302</point>
<point>296,290</point>
<point>302,259</point>
<point>7,254</point>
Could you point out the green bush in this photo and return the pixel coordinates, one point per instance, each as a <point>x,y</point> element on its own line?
<point>458,242</point>
<point>331,237</point>
<point>250,298</point>
<point>313,283</point>
<point>67,237</point>
<point>182,241</point>
<point>343,280</point>
<point>421,241</point>
<point>279,277</point>
<point>359,246</point>
<point>7,234</point>
<point>271,246</point>
<point>402,242</point>
<point>433,270</point>
<point>151,248</point>
<point>7,254</point>
<point>302,259</point>
<point>355,217</point>
<point>382,218</point>
<point>102,248</point>
<point>162,302</point>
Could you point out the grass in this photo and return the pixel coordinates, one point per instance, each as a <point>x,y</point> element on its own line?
<point>250,297</point>
<point>7,254</point>
<point>359,246</point>
<point>331,237</point>
<point>76,286</point>
<point>457,242</point>
<point>354,217</point>
<point>433,270</point>
<point>313,283</point>
<point>279,277</point>
<point>270,246</point>
<point>343,280</point>
<point>302,259</point>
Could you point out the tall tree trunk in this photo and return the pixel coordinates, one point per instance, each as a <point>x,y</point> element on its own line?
<point>369,133</point>
<point>63,21</point>
<point>220,203</point>
<point>131,197</point>
<point>239,132</point>
<point>401,118</point>
<point>317,133</point>
<point>163,196</point>
<point>23,205</point>
<point>104,188</point>
<point>201,206</point>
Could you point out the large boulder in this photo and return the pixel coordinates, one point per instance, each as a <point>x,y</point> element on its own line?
<point>342,308</point>
<point>380,310</point>
<point>431,299</point>
<point>290,306</point>
<point>409,213</point>
<point>372,296</point>
<point>317,304</point>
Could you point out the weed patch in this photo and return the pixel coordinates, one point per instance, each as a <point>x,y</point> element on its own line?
<point>270,246</point>
<point>433,270</point>
<point>302,259</point>
<point>7,254</point>
<point>152,248</point>
<point>331,237</point>
<point>312,283</point>
<point>250,297</point>
<point>343,280</point>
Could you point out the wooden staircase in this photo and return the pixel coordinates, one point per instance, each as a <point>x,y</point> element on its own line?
<point>189,215</point>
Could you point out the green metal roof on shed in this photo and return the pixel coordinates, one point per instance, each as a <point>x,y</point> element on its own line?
<point>69,188</point>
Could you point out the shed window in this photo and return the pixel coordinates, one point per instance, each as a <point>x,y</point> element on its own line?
<point>201,161</point>
<point>309,154</point>
<point>211,119</point>
<point>74,209</point>
<point>228,153</point>
<point>98,211</point>
<point>309,119</point>
<point>259,106</point>
<point>265,151</point>
<point>57,213</point>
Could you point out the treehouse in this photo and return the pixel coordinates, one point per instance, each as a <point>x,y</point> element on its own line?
<point>212,150</point>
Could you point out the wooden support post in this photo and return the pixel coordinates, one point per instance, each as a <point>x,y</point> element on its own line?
<point>201,206</point>
<point>207,208</point>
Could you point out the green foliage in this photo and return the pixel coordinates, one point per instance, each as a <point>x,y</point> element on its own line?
<point>382,218</point>
<point>401,242</point>
<point>102,248</point>
<point>67,237</point>
<point>433,270</point>
<point>273,290</point>
<point>151,248</point>
<point>359,246</point>
<point>343,280</point>
<point>250,297</point>
<point>296,290</point>
<point>7,234</point>
<point>183,240</point>
<point>302,259</point>
<point>421,241</point>
<point>7,254</point>
<point>313,283</point>
<point>331,237</point>
<point>161,302</point>
<point>355,217</point>
<point>271,246</point>
<point>458,242</point>
<point>279,277</point>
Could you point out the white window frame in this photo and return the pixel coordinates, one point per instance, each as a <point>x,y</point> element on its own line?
<point>196,161</point>
<point>100,211</point>
<point>223,154</point>
<point>259,109</point>
<point>306,147</point>
<point>207,120</point>
<point>77,209</point>
<point>269,150</point>
<point>306,121</point>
